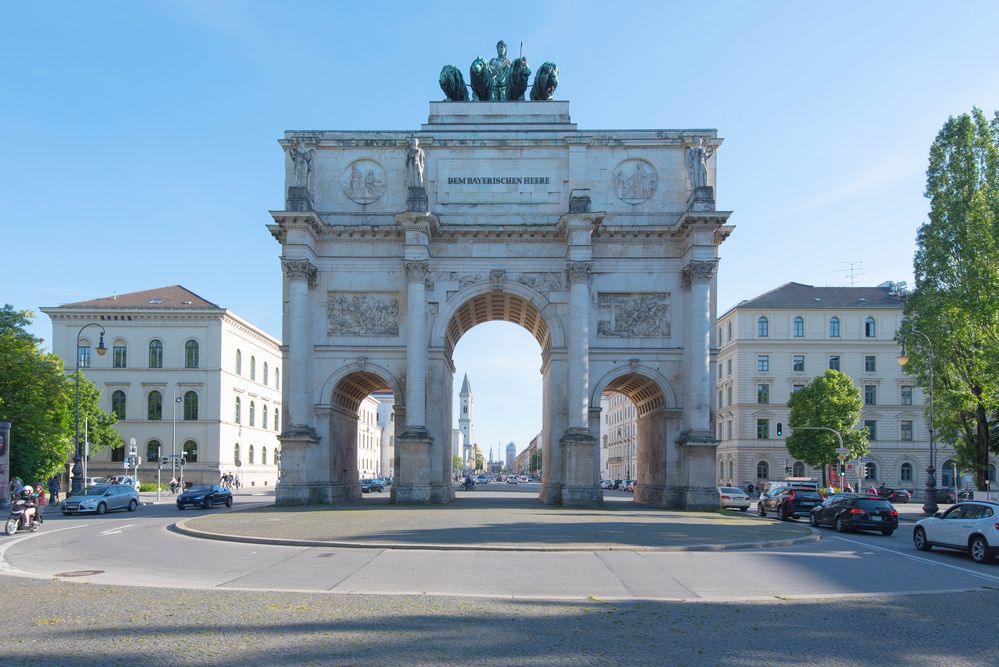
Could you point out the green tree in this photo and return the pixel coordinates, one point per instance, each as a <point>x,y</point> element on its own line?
<point>956,300</point>
<point>480,460</point>
<point>831,401</point>
<point>536,461</point>
<point>456,463</point>
<point>38,400</point>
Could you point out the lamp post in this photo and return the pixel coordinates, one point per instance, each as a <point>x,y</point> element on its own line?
<point>77,482</point>
<point>930,506</point>
<point>173,446</point>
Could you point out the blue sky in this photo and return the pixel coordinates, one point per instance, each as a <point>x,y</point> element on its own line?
<point>139,138</point>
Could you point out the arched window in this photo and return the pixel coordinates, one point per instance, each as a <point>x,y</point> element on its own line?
<point>869,328</point>
<point>249,455</point>
<point>905,474</point>
<point>263,417</point>
<point>235,454</point>
<point>253,368</point>
<point>870,471</point>
<point>265,373</point>
<point>834,327</point>
<point>798,469</point>
<point>763,327</point>
<point>276,420</point>
<point>263,454</point>
<point>253,411</point>
<point>239,362</point>
<point>762,470</point>
<point>191,354</point>
<point>191,451</point>
<point>154,406</point>
<point>155,354</point>
<point>799,327</point>
<point>277,378</point>
<point>153,451</point>
<point>191,406</point>
<point>118,403</point>
<point>947,474</point>
<point>238,412</point>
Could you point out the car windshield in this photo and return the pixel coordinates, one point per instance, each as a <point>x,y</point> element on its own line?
<point>200,488</point>
<point>730,489</point>
<point>871,504</point>
<point>807,495</point>
<point>97,490</point>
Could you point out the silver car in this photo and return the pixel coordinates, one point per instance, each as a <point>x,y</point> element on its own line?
<point>729,496</point>
<point>102,498</point>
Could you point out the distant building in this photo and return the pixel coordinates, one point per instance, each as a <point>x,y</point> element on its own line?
<point>523,463</point>
<point>184,376</point>
<point>621,433</point>
<point>466,423</point>
<point>511,455</point>
<point>369,439</point>
<point>386,422</point>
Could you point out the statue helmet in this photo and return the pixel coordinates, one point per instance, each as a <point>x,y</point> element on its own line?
<point>500,45</point>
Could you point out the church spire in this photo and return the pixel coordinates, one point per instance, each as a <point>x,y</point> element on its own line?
<point>466,389</point>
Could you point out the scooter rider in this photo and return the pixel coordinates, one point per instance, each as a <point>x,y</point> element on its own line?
<point>28,503</point>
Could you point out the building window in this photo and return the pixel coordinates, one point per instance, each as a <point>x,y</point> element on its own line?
<point>253,369</point>
<point>870,363</point>
<point>905,474</point>
<point>263,454</point>
<point>870,394</point>
<point>834,363</point>
<point>191,451</point>
<point>763,327</point>
<point>799,327</point>
<point>870,471</point>
<point>265,372</point>
<point>720,404</point>
<point>796,388</point>
<point>249,455</point>
<point>118,403</point>
<point>728,367</point>
<point>798,363</point>
<point>263,418</point>
<point>721,470</point>
<point>731,477</point>
<point>947,477</point>
<point>869,328</point>
<point>729,328</point>
<point>239,362</point>
<point>762,393</point>
<point>728,430</point>
<point>906,394</point>
<point>762,470</point>
<point>762,429</point>
<point>907,430</point>
<point>191,354</point>
<point>253,413</point>
<point>238,411</point>
<point>119,356</point>
<point>154,406</point>
<point>719,370</point>
<point>798,469</point>
<point>155,354</point>
<point>153,451</point>
<point>276,420</point>
<point>277,378</point>
<point>235,454</point>
<point>191,406</point>
<point>118,454</point>
<point>872,428</point>
<point>83,356</point>
<point>728,394</point>
<point>834,327</point>
<point>763,363</point>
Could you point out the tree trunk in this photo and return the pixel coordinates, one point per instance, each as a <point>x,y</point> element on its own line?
<point>825,468</point>
<point>981,448</point>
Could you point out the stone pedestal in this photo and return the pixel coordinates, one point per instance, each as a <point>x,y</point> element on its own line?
<point>296,485</point>
<point>579,461</point>
<point>697,472</point>
<point>413,448</point>
<point>299,199</point>
<point>417,200</point>
<point>701,199</point>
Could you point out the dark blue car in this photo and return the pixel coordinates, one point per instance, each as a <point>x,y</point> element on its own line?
<point>205,496</point>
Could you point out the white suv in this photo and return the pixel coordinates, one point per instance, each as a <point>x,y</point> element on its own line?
<point>971,527</point>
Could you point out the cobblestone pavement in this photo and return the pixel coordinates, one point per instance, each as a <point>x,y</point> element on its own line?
<point>72,624</point>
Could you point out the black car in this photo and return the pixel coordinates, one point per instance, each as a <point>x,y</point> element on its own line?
<point>204,495</point>
<point>369,485</point>
<point>788,503</point>
<point>850,512</point>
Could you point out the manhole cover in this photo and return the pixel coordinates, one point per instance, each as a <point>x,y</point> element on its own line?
<point>80,573</point>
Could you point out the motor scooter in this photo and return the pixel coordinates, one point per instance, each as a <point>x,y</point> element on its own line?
<point>16,520</point>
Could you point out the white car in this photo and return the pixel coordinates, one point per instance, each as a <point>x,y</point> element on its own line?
<point>729,496</point>
<point>606,484</point>
<point>970,526</point>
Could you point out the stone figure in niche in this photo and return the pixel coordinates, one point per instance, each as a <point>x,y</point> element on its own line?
<point>414,163</point>
<point>499,79</point>
<point>302,157</point>
<point>697,157</point>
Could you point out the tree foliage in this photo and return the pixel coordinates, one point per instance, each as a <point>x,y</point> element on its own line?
<point>831,401</point>
<point>39,402</point>
<point>956,300</point>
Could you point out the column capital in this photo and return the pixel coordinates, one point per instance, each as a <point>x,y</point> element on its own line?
<point>699,271</point>
<point>300,269</point>
<point>579,272</point>
<point>416,270</point>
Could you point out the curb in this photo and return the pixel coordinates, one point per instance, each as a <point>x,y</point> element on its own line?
<point>184,529</point>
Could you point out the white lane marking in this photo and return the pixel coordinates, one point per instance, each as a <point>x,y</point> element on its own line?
<point>866,545</point>
<point>7,567</point>
<point>116,531</point>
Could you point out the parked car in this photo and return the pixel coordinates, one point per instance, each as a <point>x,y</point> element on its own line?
<point>481,479</point>
<point>606,484</point>
<point>91,481</point>
<point>205,495</point>
<point>369,485</point>
<point>848,511</point>
<point>524,479</point>
<point>512,479</point>
<point>945,495</point>
<point>791,482</point>
<point>789,503</point>
<point>729,496</point>
<point>102,498</point>
<point>900,496</point>
<point>967,526</point>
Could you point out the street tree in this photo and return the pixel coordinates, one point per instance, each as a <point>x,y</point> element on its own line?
<point>830,401</point>
<point>956,300</point>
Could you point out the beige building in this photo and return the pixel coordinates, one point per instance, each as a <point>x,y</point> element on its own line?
<point>620,437</point>
<point>776,343</point>
<point>184,376</point>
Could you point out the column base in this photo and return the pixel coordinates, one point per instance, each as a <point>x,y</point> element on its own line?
<point>697,489</point>
<point>579,488</point>
<point>412,484</point>
<point>550,494</point>
<point>699,498</point>
<point>310,493</point>
<point>656,496</point>
<point>295,486</point>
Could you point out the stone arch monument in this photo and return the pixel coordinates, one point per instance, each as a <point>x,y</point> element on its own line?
<point>603,244</point>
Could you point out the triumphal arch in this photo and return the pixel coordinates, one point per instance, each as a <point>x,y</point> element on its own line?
<point>601,243</point>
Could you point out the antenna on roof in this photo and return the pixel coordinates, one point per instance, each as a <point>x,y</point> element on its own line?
<point>855,270</point>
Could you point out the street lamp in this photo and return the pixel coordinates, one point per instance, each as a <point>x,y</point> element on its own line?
<point>930,506</point>
<point>173,446</point>
<point>77,482</point>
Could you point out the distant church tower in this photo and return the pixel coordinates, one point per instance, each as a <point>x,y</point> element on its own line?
<point>511,455</point>
<point>465,422</point>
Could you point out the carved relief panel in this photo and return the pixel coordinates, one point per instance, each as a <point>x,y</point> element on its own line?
<point>635,315</point>
<point>362,315</point>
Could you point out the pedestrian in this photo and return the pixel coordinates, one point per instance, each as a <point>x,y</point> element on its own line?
<point>40,494</point>
<point>54,487</point>
<point>749,489</point>
<point>173,485</point>
<point>847,489</point>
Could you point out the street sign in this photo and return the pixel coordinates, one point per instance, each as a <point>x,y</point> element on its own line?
<point>238,463</point>
<point>849,467</point>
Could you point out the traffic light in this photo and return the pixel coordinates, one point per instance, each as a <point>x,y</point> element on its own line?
<point>780,430</point>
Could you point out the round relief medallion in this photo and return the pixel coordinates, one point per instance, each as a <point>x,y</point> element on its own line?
<point>635,181</point>
<point>363,181</point>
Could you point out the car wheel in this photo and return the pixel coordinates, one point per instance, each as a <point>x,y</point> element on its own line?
<point>813,521</point>
<point>102,508</point>
<point>887,532</point>
<point>180,508</point>
<point>782,513</point>
<point>65,513</point>
<point>979,550</point>
<point>228,501</point>
<point>743,509</point>
<point>840,527</point>
<point>760,509</point>
<point>920,541</point>
<point>132,505</point>
<point>207,504</point>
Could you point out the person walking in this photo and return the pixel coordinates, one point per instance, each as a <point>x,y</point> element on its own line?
<point>54,488</point>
